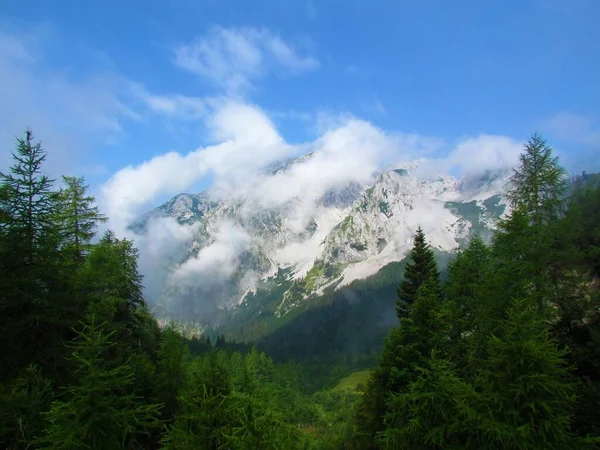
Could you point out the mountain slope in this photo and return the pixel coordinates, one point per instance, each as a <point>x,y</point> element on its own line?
<point>241,247</point>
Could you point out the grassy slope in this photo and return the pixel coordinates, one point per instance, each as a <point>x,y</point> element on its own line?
<point>353,381</point>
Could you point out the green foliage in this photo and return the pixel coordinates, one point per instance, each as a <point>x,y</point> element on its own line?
<point>21,406</point>
<point>538,184</point>
<point>526,385</point>
<point>171,368</point>
<point>206,416</point>
<point>78,215</point>
<point>420,268</point>
<point>97,411</point>
<point>507,355</point>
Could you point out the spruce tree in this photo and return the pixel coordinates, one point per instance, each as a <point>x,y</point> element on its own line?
<point>466,290</point>
<point>406,349</point>
<point>420,268</point>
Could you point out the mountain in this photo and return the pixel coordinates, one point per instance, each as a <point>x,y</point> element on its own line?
<point>272,259</point>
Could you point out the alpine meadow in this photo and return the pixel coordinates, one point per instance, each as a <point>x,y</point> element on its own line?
<point>300,225</point>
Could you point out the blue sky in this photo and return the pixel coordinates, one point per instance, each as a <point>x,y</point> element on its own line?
<point>110,84</point>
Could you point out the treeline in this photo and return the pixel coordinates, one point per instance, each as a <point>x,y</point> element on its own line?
<point>505,355</point>
<point>83,363</point>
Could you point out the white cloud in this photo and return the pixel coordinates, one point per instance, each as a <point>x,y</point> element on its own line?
<point>65,112</point>
<point>247,140</point>
<point>163,244</point>
<point>219,258</point>
<point>232,58</point>
<point>177,105</point>
<point>477,154</point>
<point>574,127</point>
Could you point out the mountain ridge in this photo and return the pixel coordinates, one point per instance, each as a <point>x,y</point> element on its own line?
<point>349,233</point>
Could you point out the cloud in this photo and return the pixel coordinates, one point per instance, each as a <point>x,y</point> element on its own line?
<point>232,58</point>
<point>64,110</point>
<point>161,247</point>
<point>188,108</point>
<point>375,105</point>
<point>218,258</point>
<point>247,140</point>
<point>578,128</point>
<point>484,152</point>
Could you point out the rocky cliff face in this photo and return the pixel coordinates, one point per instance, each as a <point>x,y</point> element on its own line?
<point>351,232</point>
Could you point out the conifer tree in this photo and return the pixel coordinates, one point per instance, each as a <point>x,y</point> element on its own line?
<point>79,216</point>
<point>420,268</point>
<point>28,205</point>
<point>525,238</point>
<point>171,370</point>
<point>436,411</point>
<point>97,411</point>
<point>539,183</point>
<point>466,290</point>
<point>30,307</point>
<point>527,390</point>
<point>206,416</point>
<point>406,349</point>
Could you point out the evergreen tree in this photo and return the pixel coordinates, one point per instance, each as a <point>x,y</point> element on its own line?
<point>466,289</point>
<point>527,391</point>
<point>97,411</point>
<point>28,205</point>
<point>419,269</point>
<point>539,183</point>
<point>435,412</point>
<point>405,351</point>
<point>206,415</point>
<point>79,216</point>
<point>171,370</point>
<point>31,308</point>
<point>537,196</point>
<point>22,404</point>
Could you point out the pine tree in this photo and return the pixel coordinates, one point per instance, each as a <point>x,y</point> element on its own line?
<point>97,411</point>
<point>420,268</point>
<point>78,215</point>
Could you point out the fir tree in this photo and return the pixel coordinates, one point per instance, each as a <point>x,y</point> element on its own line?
<point>420,268</point>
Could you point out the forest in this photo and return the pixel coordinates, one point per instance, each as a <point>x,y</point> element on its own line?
<point>504,353</point>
